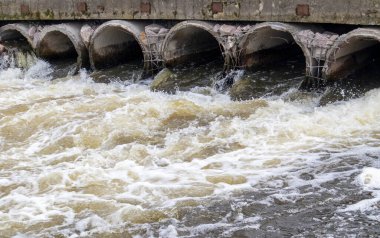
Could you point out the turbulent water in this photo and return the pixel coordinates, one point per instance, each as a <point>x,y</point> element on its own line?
<point>80,158</point>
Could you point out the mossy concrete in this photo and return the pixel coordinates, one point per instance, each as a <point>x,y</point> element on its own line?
<point>365,12</point>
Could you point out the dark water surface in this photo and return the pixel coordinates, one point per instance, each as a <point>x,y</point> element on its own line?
<point>100,155</point>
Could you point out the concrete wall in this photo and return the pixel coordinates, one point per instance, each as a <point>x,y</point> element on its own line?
<point>365,12</point>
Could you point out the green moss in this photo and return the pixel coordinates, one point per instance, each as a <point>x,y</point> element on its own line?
<point>15,17</point>
<point>49,14</point>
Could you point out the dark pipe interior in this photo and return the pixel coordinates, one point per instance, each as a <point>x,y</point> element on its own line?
<point>194,59</point>
<point>14,39</point>
<point>355,70</point>
<point>115,46</point>
<point>274,64</point>
<point>356,55</point>
<point>191,46</point>
<point>56,46</point>
<point>59,50</point>
<point>267,48</point>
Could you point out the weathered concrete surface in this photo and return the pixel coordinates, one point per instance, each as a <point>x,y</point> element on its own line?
<point>365,12</point>
<point>63,41</point>
<point>352,51</point>
<point>318,44</point>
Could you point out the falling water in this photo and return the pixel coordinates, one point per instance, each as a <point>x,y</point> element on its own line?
<point>111,158</point>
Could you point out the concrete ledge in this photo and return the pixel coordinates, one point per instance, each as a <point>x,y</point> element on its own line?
<point>364,12</point>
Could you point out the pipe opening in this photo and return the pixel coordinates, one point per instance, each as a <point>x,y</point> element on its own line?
<point>191,46</point>
<point>58,49</point>
<point>274,63</point>
<point>353,57</point>
<point>14,39</point>
<point>193,58</point>
<point>267,47</point>
<point>56,46</point>
<point>15,50</point>
<point>353,69</point>
<point>115,46</point>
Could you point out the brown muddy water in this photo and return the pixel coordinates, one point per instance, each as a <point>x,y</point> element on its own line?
<point>111,158</point>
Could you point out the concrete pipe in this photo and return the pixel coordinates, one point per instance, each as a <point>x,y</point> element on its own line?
<point>272,42</point>
<point>351,52</point>
<point>191,41</point>
<point>117,42</point>
<point>62,42</point>
<point>18,32</point>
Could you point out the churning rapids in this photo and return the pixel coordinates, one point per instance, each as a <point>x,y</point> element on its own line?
<point>86,159</point>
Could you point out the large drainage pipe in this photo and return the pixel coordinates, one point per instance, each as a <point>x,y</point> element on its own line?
<point>117,42</point>
<point>19,42</point>
<point>17,32</point>
<point>271,42</point>
<point>191,41</point>
<point>62,42</point>
<point>351,52</point>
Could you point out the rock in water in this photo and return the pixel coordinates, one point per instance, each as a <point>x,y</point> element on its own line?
<point>331,95</point>
<point>164,81</point>
<point>2,49</point>
<point>31,59</point>
<point>21,60</point>
<point>242,90</point>
<point>247,88</point>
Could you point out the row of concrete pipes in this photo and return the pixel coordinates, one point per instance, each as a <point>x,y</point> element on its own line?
<point>327,55</point>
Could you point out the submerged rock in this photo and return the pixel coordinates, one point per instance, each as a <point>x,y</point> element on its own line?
<point>21,59</point>
<point>332,95</point>
<point>164,81</point>
<point>24,60</point>
<point>243,89</point>
<point>2,49</point>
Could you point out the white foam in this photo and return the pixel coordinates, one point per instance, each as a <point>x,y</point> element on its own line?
<point>168,232</point>
<point>122,147</point>
<point>40,70</point>
<point>370,178</point>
